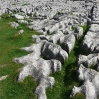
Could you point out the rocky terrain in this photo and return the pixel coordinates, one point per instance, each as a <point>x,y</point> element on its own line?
<point>61,25</point>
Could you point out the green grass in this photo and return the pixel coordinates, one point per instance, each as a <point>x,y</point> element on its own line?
<point>26,4</point>
<point>67,78</point>
<point>10,43</point>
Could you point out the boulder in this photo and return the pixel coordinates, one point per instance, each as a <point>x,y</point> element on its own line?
<point>91,59</point>
<point>53,51</point>
<point>47,50</point>
<point>14,24</point>
<point>87,89</point>
<point>40,70</point>
<point>90,43</point>
<point>22,22</point>
<point>20,31</point>
<point>67,42</point>
<point>94,28</point>
<point>78,31</point>
<point>19,17</point>
<point>90,87</point>
<point>54,38</point>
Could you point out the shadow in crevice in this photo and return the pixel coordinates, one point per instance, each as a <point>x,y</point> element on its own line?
<point>70,78</point>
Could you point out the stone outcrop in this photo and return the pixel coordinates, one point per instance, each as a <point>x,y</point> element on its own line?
<point>14,25</point>
<point>90,60</point>
<point>48,50</point>
<point>89,88</point>
<point>67,42</point>
<point>90,42</point>
<point>89,46</point>
<point>40,70</point>
<point>54,38</point>
<point>59,31</point>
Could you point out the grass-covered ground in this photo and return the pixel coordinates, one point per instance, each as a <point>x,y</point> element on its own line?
<point>10,43</point>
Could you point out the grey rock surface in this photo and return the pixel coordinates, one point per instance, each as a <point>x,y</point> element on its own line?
<point>52,51</point>
<point>94,28</point>
<point>90,86</point>
<point>40,70</point>
<point>48,50</point>
<point>22,22</point>
<point>91,59</point>
<point>87,89</point>
<point>67,42</point>
<point>14,24</point>
<point>90,43</point>
<point>19,17</point>
<point>20,31</point>
<point>89,46</point>
<point>54,38</point>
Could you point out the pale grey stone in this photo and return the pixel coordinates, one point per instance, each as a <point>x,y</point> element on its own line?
<point>22,22</point>
<point>14,24</point>
<point>90,87</point>
<point>40,70</point>
<point>91,59</point>
<point>48,50</point>
<point>54,38</point>
<point>20,31</point>
<point>90,42</point>
<point>94,28</point>
<point>87,89</point>
<point>67,42</point>
<point>53,51</point>
<point>19,17</point>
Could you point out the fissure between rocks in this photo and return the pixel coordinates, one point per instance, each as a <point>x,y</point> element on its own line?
<point>67,78</point>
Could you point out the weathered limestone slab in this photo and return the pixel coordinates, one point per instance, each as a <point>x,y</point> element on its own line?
<point>40,70</point>
<point>67,42</point>
<point>90,87</point>
<point>48,50</point>
<point>14,24</point>
<point>90,42</point>
<point>91,59</point>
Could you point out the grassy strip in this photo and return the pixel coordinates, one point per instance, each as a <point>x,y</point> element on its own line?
<point>10,43</point>
<point>67,78</point>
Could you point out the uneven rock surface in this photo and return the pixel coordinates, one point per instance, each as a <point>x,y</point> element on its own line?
<point>89,46</point>
<point>40,70</point>
<point>90,87</point>
<point>60,23</point>
<point>90,42</point>
<point>67,42</point>
<point>14,24</point>
<point>91,59</point>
